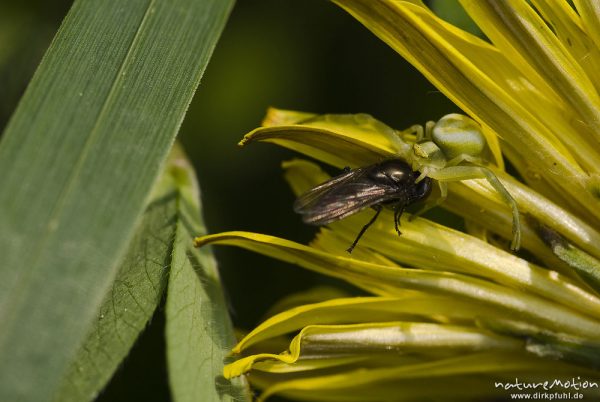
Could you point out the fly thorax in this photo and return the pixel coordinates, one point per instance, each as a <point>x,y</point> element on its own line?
<point>457,135</point>
<point>427,154</point>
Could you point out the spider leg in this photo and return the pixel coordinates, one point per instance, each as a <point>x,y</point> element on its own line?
<point>432,203</point>
<point>463,158</point>
<point>429,129</point>
<point>398,209</point>
<point>364,229</point>
<point>417,130</point>
<point>458,173</point>
<point>422,175</point>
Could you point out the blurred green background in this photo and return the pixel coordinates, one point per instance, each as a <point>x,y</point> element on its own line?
<point>306,55</point>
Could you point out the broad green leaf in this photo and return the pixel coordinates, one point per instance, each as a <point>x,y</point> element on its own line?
<point>132,299</point>
<point>78,160</point>
<point>161,246</point>
<point>198,332</point>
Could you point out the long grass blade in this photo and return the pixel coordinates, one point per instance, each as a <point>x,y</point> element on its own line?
<point>78,160</point>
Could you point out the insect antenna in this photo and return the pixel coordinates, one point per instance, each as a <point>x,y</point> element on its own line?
<point>364,229</point>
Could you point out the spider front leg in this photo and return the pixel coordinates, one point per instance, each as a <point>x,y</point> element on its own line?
<point>429,130</point>
<point>418,131</point>
<point>422,133</point>
<point>459,173</point>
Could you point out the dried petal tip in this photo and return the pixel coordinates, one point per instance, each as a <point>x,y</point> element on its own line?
<point>200,241</point>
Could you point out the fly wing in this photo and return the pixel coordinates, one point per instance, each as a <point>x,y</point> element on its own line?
<point>309,198</point>
<point>342,196</point>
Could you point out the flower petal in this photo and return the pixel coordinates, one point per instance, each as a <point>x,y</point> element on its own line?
<point>569,30</point>
<point>381,337</point>
<point>528,307</point>
<point>367,309</point>
<point>532,204</point>
<point>516,29</point>
<point>440,379</point>
<point>427,244</point>
<point>340,140</point>
<point>482,81</point>
<point>590,15</point>
<point>473,198</point>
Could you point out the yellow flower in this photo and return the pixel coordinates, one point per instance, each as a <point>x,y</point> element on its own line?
<point>451,314</point>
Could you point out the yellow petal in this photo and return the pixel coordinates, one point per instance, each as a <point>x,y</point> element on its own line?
<point>340,140</point>
<point>569,30</point>
<point>366,309</point>
<point>526,306</point>
<point>381,337</point>
<point>472,198</point>
<point>590,15</point>
<point>483,82</point>
<point>515,28</point>
<point>281,117</point>
<point>533,204</point>
<point>433,380</point>
<point>427,244</point>
<point>303,365</point>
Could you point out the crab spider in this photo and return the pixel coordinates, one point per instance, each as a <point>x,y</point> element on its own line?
<point>450,150</point>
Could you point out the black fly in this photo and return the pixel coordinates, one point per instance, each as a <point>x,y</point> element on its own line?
<point>390,183</point>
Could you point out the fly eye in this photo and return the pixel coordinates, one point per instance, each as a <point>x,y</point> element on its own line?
<point>379,176</point>
<point>423,188</point>
<point>398,175</point>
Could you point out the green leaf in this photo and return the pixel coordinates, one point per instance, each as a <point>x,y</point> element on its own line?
<point>130,302</point>
<point>199,334</point>
<point>78,160</point>
<point>162,244</point>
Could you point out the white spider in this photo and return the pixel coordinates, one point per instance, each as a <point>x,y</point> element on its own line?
<point>450,150</point>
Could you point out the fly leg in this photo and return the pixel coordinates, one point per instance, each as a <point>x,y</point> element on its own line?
<point>364,229</point>
<point>398,209</point>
